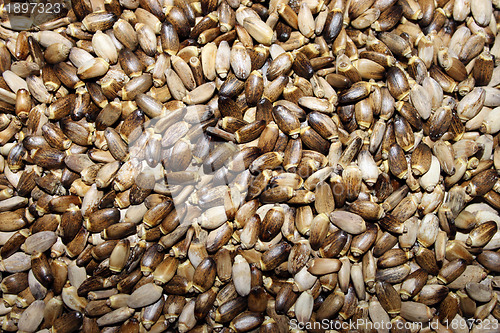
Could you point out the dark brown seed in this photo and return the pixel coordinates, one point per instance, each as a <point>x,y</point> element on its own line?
<point>302,66</point>
<point>250,132</point>
<point>449,272</point>
<point>481,183</point>
<point>355,93</point>
<point>272,223</point>
<point>333,25</point>
<point>204,275</point>
<point>421,159</point>
<point>41,269</point>
<point>397,161</point>
<point>68,322</point>
<point>397,83</point>
<point>388,298</point>
<point>254,87</point>
<point>230,309</point>
<point>286,120</point>
<point>427,260</point>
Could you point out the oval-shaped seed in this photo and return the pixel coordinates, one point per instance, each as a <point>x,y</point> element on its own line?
<point>144,295</point>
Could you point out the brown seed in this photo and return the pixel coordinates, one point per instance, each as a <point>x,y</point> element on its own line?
<point>323,124</point>
<point>355,93</point>
<point>416,312</point>
<point>272,223</point>
<point>480,184</point>
<point>397,83</point>
<point>363,242</point>
<point>286,120</point>
<point>349,222</point>
<point>426,259</point>
<point>488,259</point>
<point>205,275</point>
<point>392,258</point>
<point>68,322</point>
<point>388,298</point>
<point>333,25</point>
<point>250,132</point>
<point>397,161</point>
<point>254,87</point>
<point>480,235</point>
<point>41,269</point>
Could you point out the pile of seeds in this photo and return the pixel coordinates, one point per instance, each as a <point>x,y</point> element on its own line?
<point>220,166</point>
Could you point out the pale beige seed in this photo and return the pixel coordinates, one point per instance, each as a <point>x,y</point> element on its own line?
<point>458,40</point>
<point>344,274</point>
<point>72,300</point>
<point>240,61</point>
<point>213,217</point>
<point>201,94</point>
<point>305,20</point>
<point>223,59</point>
<point>471,104</point>
<point>491,122</point>
<point>316,104</point>
<point>115,317</point>
<point>377,312</point>
<point>94,68</point>
<point>40,241</point>
<point>208,60</point>
<point>492,98</point>
<point>349,222</point>
<point>32,317</point>
<point>241,276</point>
<point>145,295</point>
<point>175,85</point>
<point>38,89</point>
<point>18,262</point>
<point>259,30</point>
<point>304,280</point>
<point>104,47</point>
<point>304,307</point>
<point>245,12</point>
<point>420,101</point>
<point>358,281</point>
<point>47,38</point>
<point>461,9</point>
<point>76,275</point>
<point>187,319</point>
<point>428,230</point>
<point>79,56</point>
<point>481,11</point>
<point>14,81</point>
<point>429,180</point>
<point>368,167</point>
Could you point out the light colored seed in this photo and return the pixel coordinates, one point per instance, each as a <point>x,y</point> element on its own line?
<point>145,295</point>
